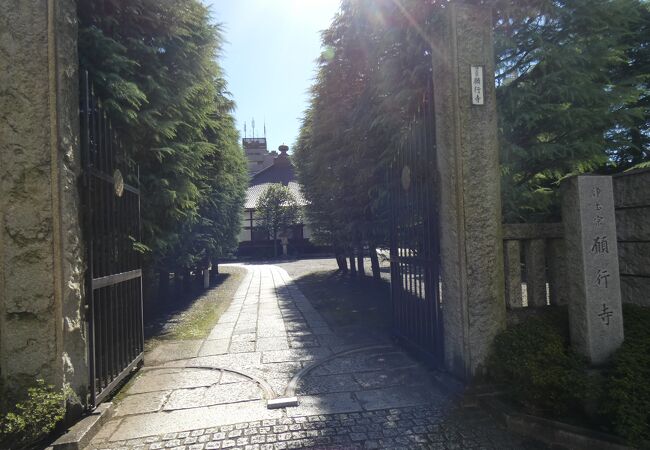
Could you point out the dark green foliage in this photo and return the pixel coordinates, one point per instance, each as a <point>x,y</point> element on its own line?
<point>572,95</point>
<point>277,210</point>
<point>33,419</point>
<point>533,362</point>
<point>372,72</point>
<point>154,62</point>
<point>628,386</point>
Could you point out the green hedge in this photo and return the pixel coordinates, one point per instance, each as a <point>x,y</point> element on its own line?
<point>533,361</point>
<point>540,372</point>
<point>627,398</point>
<point>31,420</point>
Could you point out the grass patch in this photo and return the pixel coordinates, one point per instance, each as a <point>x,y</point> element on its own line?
<point>196,320</point>
<point>187,317</point>
<point>344,300</point>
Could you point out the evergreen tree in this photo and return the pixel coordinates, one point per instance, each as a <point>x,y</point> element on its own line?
<point>154,62</point>
<point>373,71</point>
<point>571,89</point>
<point>277,210</point>
<point>572,97</point>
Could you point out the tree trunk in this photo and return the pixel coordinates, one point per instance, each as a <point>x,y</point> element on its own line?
<point>341,262</point>
<point>187,280</point>
<point>360,268</point>
<point>215,271</point>
<point>206,278</point>
<point>275,244</point>
<point>374,263</point>
<point>353,269</point>
<point>163,291</point>
<point>163,283</point>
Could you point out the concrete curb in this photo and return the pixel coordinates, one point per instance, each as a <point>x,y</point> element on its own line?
<point>556,434</point>
<point>80,434</point>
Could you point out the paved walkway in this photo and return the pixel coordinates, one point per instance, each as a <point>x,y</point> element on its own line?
<point>355,389</point>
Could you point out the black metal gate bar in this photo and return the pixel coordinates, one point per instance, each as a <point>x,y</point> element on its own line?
<point>415,290</point>
<point>114,274</point>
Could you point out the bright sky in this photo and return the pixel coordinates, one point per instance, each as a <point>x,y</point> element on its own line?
<point>269,59</point>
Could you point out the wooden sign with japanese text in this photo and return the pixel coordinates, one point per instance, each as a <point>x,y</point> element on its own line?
<point>478,95</point>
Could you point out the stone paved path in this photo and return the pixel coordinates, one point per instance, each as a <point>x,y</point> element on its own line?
<point>355,389</point>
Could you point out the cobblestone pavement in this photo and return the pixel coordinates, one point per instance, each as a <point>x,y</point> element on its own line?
<point>355,389</point>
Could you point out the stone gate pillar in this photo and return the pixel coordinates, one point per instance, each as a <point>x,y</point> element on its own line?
<point>470,199</point>
<point>41,256</point>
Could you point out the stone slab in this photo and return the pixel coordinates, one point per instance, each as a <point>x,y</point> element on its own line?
<point>169,379</point>
<point>141,403</point>
<point>241,347</point>
<point>387,378</point>
<point>271,332</point>
<point>633,224</point>
<point>295,355</point>
<point>360,362</point>
<point>230,361</point>
<point>635,290</point>
<point>81,433</point>
<point>272,343</point>
<point>170,351</point>
<point>311,405</point>
<point>217,394</point>
<point>214,347</point>
<point>245,337</point>
<point>631,188</point>
<point>232,377</point>
<point>221,332</point>
<point>190,419</point>
<point>312,385</point>
<point>395,397</point>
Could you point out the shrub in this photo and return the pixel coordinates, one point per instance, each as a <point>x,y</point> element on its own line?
<point>533,361</point>
<point>34,418</point>
<point>627,399</point>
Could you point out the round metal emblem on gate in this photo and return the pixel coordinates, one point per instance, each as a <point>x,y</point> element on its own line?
<point>406,178</point>
<point>118,182</point>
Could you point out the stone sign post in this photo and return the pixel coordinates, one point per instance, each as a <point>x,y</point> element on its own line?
<point>471,245</point>
<point>595,313</point>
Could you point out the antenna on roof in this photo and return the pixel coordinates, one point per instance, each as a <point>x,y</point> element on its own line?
<point>245,130</point>
<point>253,123</point>
<point>265,128</point>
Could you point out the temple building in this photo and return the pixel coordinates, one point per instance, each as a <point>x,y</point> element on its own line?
<point>259,158</point>
<point>280,170</point>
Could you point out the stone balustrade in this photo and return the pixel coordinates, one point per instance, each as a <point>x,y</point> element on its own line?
<point>534,264</point>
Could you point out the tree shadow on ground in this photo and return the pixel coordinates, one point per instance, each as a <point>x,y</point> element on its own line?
<point>346,301</point>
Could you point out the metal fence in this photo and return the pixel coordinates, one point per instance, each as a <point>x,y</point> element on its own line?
<point>112,228</point>
<point>414,252</point>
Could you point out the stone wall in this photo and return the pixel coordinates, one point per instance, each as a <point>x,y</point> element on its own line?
<point>41,255</point>
<point>632,199</point>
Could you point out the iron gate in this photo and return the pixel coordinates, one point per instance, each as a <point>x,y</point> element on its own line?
<point>112,227</point>
<point>414,246</point>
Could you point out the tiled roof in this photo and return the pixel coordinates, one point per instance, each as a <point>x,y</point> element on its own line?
<point>256,191</point>
<point>280,172</point>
